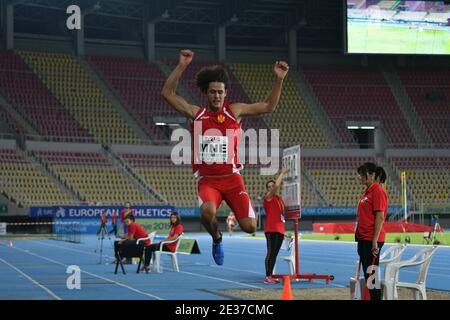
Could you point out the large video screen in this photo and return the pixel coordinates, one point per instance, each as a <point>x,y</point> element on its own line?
<point>404,27</point>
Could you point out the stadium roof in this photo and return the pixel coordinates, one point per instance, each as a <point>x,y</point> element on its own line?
<point>249,22</point>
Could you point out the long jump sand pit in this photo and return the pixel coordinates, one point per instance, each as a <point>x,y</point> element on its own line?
<point>322,294</point>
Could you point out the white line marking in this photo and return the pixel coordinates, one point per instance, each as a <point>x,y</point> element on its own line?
<point>50,292</point>
<point>92,274</point>
<point>74,250</point>
<point>220,279</point>
<point>260,273</point>
<point>191,273</point>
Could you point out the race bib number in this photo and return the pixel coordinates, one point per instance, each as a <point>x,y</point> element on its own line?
<point>213,149</point>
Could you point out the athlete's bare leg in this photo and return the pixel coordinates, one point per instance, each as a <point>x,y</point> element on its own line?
<point>209,220</point>
<point>248,224</point>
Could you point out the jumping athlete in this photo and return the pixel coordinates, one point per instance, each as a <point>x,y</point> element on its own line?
<point>216,129</point>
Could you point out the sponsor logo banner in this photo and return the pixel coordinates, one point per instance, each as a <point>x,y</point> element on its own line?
<point>94,212</point>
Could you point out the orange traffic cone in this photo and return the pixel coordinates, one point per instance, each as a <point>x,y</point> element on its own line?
<point>366,295</point>
<point>287,292</point>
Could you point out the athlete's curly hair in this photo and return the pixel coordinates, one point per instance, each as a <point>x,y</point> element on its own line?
<point>210,74</point>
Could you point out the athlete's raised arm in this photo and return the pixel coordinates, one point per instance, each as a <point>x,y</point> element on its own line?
<point>170,87</point>
<point>269,105</point>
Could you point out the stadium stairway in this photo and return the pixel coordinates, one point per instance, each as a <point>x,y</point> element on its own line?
<point>183,91</point>
<point>26,183</point>
<point>41,166</point>
<point>314,188</point>
<point>79,94</point>
<point>257,80</point>
<point>394,183</point>
<point>315,108</point>
<point>13,209</point>
<point>6,126</point>
<point>12,112</point>
<point>404,102</point>
<point>114,99</point>
<point>133,178</point>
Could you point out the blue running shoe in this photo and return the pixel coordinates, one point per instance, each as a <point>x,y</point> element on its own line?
<point>218,254</point>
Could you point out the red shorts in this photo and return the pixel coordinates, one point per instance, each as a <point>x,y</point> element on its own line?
<point>231,189</point>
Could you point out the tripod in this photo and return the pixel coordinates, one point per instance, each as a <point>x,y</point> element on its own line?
<point>101,236</point>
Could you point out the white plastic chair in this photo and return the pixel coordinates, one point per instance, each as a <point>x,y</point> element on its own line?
<point>290,259</point>
<point>173,255</point>
<point>150,237</point>
<point>422,259</point>
<point>357,284</point>
<point>392,254</point>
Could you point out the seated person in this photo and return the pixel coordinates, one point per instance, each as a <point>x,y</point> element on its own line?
<point>176,229</point>
<point>134,232</point>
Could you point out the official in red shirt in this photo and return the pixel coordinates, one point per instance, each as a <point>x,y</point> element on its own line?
<point>114,224</point>
<point>135,232</point>
<point>124,212</point>
<point>371,213</point>
<point>103,221</point>
<point>274,225</point>
<point>176,230</point>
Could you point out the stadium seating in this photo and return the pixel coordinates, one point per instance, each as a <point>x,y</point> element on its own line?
<point>72,86</point>
<point>93,177</point>
<point>23,183</point>
<point>387,4</point>
<point>291,117</point>
<point>410,16</point>
<point>78,109</point>
<point>437,17</point>
<point>429,90</point>
<point>175,183</point>
<point>337,178</point>
<point>358,94</point>
<point>178,185</point>
<point>12,123</point>
<point>31,98</point>
<point>427,177</point>
<point>138,83</point>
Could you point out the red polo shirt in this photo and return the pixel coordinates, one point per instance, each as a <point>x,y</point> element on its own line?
<point>174,230</point>
<point>274,208</point>
<point>137,231</point>
<point>374,199</point>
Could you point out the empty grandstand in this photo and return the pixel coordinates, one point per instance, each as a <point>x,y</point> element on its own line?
<point>91,127</point>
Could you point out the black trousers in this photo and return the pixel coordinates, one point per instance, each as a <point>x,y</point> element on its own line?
<point>274,241</point>
<point>367,259</point>
<point>114,229</point>
<point>128,249</point>
<point>149,252</point>
<point>102,226</point>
